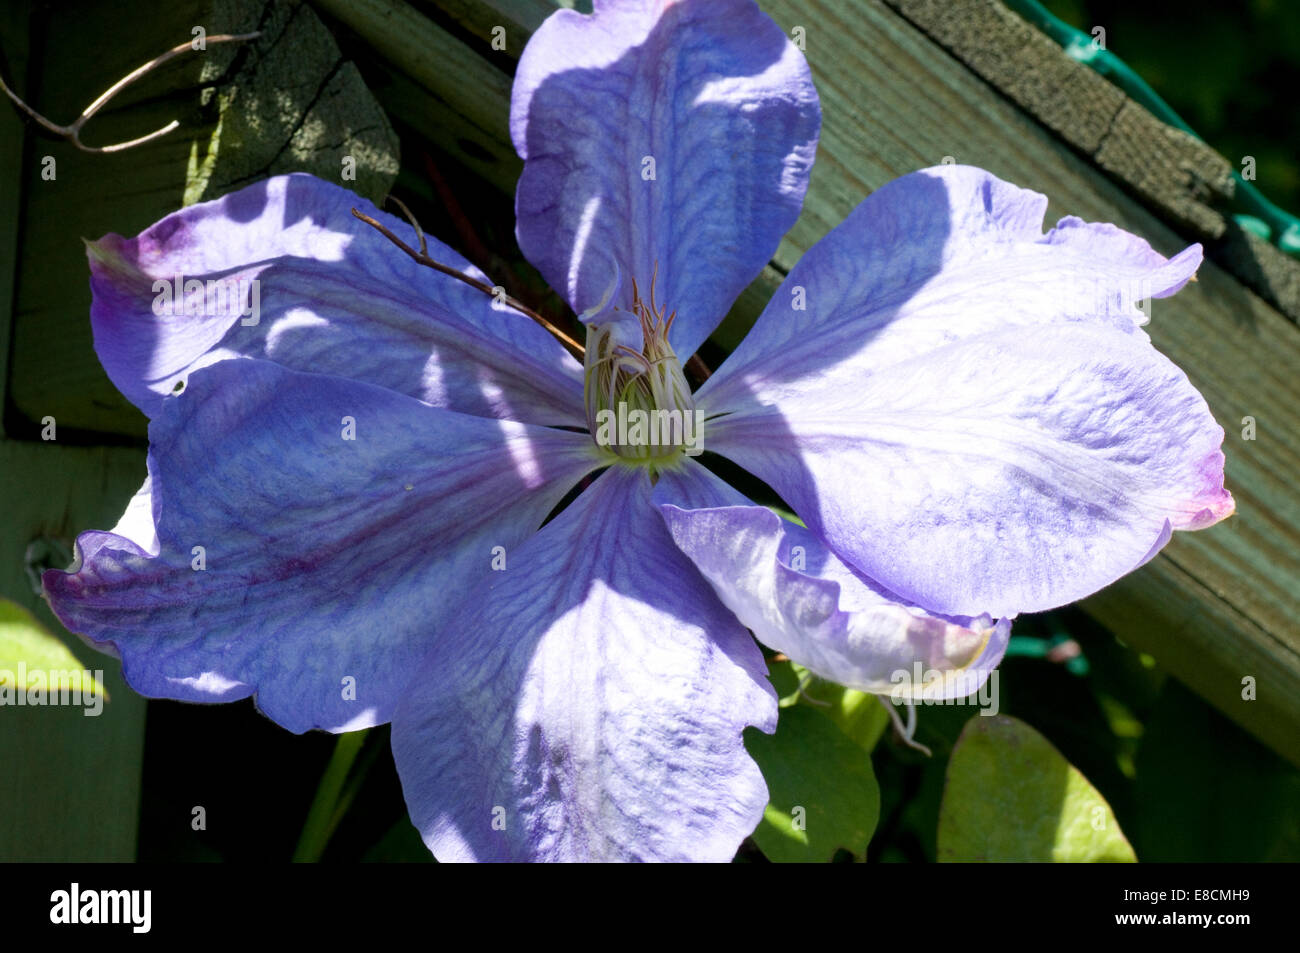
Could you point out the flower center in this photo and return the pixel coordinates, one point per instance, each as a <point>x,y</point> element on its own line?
<point>639,406</point>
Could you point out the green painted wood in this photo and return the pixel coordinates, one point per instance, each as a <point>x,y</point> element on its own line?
<point>1215,606</point>
<point>70,785</point>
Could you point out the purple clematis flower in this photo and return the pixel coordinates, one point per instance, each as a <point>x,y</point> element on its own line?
<point>964,411</point>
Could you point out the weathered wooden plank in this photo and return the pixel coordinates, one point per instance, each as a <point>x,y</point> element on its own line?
<point>1272,273</point>
<point>460,76</point>
<point>70,786</point>
<point>287,102</point>
<point>290,103</point>
<point>1215,606</point>
<point>518,18</point>
<point>487,156</point>
<point>1077,104</point>
<point>1180,175</point>
<point>1174,172</point>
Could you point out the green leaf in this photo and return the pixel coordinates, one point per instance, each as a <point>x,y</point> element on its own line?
<point>26,645</point>
<point>785,677</point>
<point>1011,796</point>
<point>859,715</point>
<point>788,515</point>
<point>328,805</point>
<point>401,845</point>
<point>822,788</point>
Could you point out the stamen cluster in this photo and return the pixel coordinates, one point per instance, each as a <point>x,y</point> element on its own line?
<point>623,383</point>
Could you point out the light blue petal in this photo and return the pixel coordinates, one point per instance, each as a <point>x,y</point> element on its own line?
<point>934,258</point>
<point>328,565</point>
<point>798,598</point>
<point>712,93</point>
<point>593,705</point>
<point>334,297</point>
<point>968,411</point>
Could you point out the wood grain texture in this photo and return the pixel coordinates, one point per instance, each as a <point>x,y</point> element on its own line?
<point>1178,174</point>
<point>1215,606</point>
<point>1025,65</point>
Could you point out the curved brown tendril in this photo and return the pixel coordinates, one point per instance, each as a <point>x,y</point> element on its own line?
<point>423,258</point>
<point>72,132</point>
<point>410,217</point>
